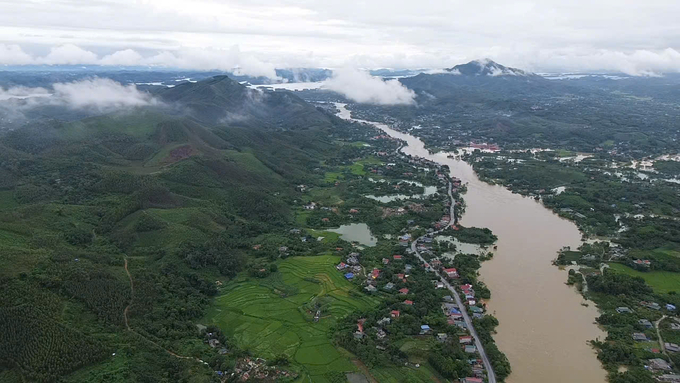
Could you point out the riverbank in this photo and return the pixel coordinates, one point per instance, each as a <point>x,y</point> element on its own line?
<point>543,328</point>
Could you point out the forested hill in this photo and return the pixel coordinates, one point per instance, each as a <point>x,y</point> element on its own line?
<point>221,100</point>
<point>177,189</point>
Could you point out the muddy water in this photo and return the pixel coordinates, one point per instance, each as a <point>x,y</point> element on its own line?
<point>543,329</point>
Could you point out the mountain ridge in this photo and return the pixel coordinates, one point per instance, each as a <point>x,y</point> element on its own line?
<point>486,67</point>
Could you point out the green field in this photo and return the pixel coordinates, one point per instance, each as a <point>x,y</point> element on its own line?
<point>660,281</point>
<point>331,177</point>
<point>424,373</point>
<point>269,316</point>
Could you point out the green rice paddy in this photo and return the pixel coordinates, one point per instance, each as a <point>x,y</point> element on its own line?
<point>271,317</point>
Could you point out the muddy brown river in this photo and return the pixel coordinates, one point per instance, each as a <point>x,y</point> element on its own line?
<point>544,328</point>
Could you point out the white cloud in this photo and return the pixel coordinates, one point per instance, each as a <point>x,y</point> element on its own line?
<point>101,93</point>
<point>364,88</point>
<point>13,55</point>
<point>550,35</point>
<point>126,57</point>
<point>232,59</point>
<point>68,54</point>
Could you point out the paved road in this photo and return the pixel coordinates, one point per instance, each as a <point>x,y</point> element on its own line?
<point>480,348</point>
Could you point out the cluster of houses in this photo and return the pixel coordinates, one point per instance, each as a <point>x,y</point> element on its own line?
<point>661,366</point>
<point>350,266</point>
<point>247,368</point>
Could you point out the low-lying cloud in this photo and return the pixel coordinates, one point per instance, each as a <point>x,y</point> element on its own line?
<point>361,87</point>
<point>100,93</point>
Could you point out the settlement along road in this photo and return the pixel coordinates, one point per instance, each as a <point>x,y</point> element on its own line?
<point>530,298</point>
<point>414,246</point>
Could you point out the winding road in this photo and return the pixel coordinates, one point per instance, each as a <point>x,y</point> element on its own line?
<point>478,343</point>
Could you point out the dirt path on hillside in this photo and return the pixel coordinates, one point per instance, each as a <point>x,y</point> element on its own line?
<point>127,324</point>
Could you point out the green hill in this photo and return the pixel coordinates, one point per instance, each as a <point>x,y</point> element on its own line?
<point>177,190</point>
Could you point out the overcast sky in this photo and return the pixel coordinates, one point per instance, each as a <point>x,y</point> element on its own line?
<point>633,36</point>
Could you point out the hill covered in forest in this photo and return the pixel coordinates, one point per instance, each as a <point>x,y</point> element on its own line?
<point>170,192</point>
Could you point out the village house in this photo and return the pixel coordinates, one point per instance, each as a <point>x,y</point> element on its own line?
<point>213,343</point>
<point>466,339</point>
<point>384,321</point>
<point>438,285</point>
<point>381,334</point>
<point>672,378</point>
<point>385,261</point>
<point>403,291</point>
<point>658,364</point>
<point>349,275</point>
<point>394,313</point>
<point>645,323</point>
<point>397,257</point>
<point>370,288</point>
<point>341,266</point>
<point>623,310</point>
<point>389,286</point>
<point>353,211</point>
<point>375,273</point>
<point>475,309</point>
<point>651,305</point>
<point>470,349</point>
<point>425,329</point>
<point>442,337</point>
<point>310,206</point>
<point>642,262</point>
<point>448,298</point>
<point>408,303</point>
<point>671,347</point>
<point>451,273</point>
<point>472,380</point>
<point>640,337</point>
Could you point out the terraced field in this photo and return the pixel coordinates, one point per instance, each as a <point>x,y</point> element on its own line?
<point>270,316</point>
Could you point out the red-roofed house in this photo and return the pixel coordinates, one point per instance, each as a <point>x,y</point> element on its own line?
<point>473,380</point>
<point>465,339</point>
<point>403,291</point>
<point>397,257</point>
<point>408,303</point>
<point>451,273</point>
<point>360,325</point>
<point>394,314</point>
<point>375,273</point>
